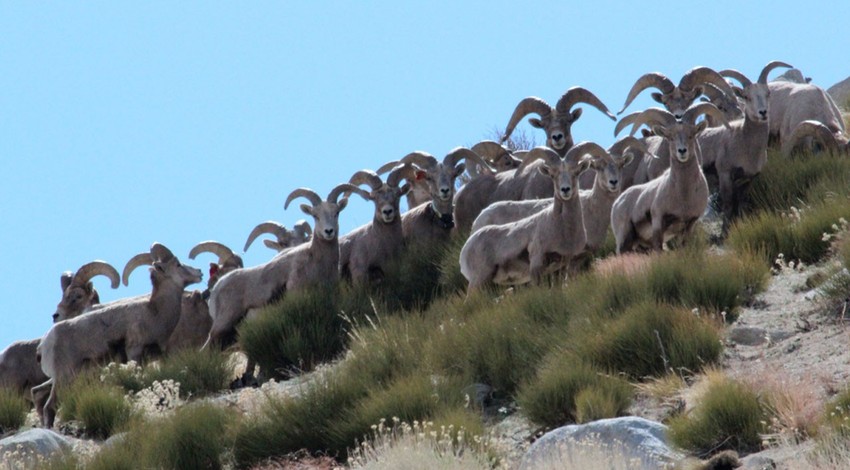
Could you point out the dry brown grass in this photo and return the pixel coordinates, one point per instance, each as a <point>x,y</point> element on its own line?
<point>795,405</point>
<point>628,264</point>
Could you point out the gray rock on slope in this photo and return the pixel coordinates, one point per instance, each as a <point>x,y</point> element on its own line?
<point>840,93</point>
<point>31,446</point>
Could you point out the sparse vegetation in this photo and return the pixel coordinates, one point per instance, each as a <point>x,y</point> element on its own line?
<point>13,410</point>
<point>194,437</point>
<point>101,409</point>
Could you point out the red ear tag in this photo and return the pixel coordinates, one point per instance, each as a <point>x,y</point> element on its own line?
<point>420,175</point>
<point>213,269</point>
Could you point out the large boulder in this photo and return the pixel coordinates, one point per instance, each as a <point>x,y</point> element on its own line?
<point>29,447</point>
<point>628,442</point>
<point>792,75</point>
<point>840,93</point>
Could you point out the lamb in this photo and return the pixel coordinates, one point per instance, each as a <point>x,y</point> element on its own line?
<point>820,133</point>
<point>126,328</point>
<point>596,203</point>
<point>285,238</point>
<point>649,214</point>
<point>307,265</point>
<point>365,251</point>
<point>19,367</point>
<point>527,249</point>
<point>433,222</point>
<point>676,99</point>
<point>738,153</point>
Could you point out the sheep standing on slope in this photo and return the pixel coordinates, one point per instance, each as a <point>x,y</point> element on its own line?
<point>527,249</point>
<point>129,327</point>
<point>649,214</point>
<point>365,251</point>
<point>284,238</point>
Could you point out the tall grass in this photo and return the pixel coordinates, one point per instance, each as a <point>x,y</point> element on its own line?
<point>101,409</point>
<point>13,410</point>
<point>194,437</point>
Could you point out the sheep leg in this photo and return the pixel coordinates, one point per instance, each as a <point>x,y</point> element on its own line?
<point>40,394</point>
<point>537,264</point>
<point>727,198</point>
<point>658,233</point>
<point>49,416</point>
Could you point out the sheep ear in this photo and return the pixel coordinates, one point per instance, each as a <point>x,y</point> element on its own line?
<point>575,114</point>
<point>341,204</point>
<point>697,91</point>
<point>95,298</point>
<point>420,175</point>
<point>404,189</point>
<point>657,97</point>
<point>660,131</point>
<point>273,245</point>
<point>306,209</point>
<point>701,126</point>
<point>627,158</point>
<point>459,169</point>
<point>544,170</point>
<point>89,287</point>
<point>535,123</point>
<point>65,280</point>
<point>585,164</point>
<point>739,92</point>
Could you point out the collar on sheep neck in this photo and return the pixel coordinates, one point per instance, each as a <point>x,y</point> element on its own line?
<point>445,221</point>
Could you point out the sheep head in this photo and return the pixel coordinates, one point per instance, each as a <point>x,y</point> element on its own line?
<point>564,172</point>
<point>680,134</point>
<point>78,292</point>
<point>727,104</point>
<point>676,99</point>
<point>556,122</point>
<point>284,238</point>
<point>385,196</point>
<point>498,156</point>
<point>164,268</point>
<point>227,259</point>
<point>609,167</point>
<point>754,96</point>
<point>325,213</point>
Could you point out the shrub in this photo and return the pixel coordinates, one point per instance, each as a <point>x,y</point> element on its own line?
<point>649,340</point>
<point>199,373</point>
<point>729,416</point>
<point>194,437</point>
<point>837,414</point>
<point>550,399</point>
<point>299,332</point>
<point>13,410</point>
<point>101,409</point>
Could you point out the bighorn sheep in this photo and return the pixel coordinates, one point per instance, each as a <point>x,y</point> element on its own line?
<point>596,203</point>
<point>285,238</point>
<point>19,367</point>
<point>529,248</point>
<point>738,153</point>
<point>792,103</point>
<point>365,251</point>
<point>677,99</point>
<point>306,265</point>
<point>122,328</point>
<point>651,213</point>
<point>432,222</point>
<point>499,157</point>
<point>820,133</point>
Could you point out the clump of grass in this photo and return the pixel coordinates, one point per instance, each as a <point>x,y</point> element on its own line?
<point>199,373</point>
<point>650,339</point>
<point>299,332</point>
<point>550,399</point>
<point>101,409</point>
<point>729,416</point>
<point>451,280</point>
<point>194,437</point>
<point>13,410</point>
<point>837,414</point>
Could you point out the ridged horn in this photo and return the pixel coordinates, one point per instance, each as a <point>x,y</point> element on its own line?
<point>625,121</point>
<point>619,147</point>
<point>367,177</point>
<point>694,111</point>
<point>577,95</point>
<point>549,156</point>
<point>344,188</point>
<point>814,129</point>
<point>136,261</point>
<point>219,249</point>
<point>423,160</point>
<point>405,171</point>
<point>462,153</point>
<point>770,66</point>
<point>712,92</point>
<point>652,116</point>
<point>160,253</point>
<point>94,268</point>
<point>272,227</point>
<point>529,105</point>
<point>593,149</point>
<point>704,75</point>
<point>490,150</point>
<point>306,193</point>
<point>732,73</point>
<point>302,229</point>
<point>649,80</point>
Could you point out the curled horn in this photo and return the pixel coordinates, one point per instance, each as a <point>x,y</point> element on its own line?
<point>345,188</point>
<point>712,92</point>
<point>489,150</point>
<point>704,75</point>
<point>135,262</point>
<point>770,66</point>
<point>625,121</point>
<point>648,116</point>
<point>732,73</point>
<point>529,105</point>
<point>691,114</point>
<point>367,177</point>
<point>401,172</point>
<point>89,270</point>
<point>577,95</point>
<point>303,229</point>
<point>814,129</point>
<point>549,157</point>
<point>649,80</point>
<point>453,157</point>
<point>271,227</point>
<point>587,148</point>
<point>160,253</point>
<point>306,193</point>
<point>216,248</point>
<point>423,160</point>
<point>619,147</point>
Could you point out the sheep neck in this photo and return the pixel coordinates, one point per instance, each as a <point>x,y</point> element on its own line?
<point>754,135</point>
<point>568,218</point>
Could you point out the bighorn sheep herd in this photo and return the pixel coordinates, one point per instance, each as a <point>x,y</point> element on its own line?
<point>527,213</point>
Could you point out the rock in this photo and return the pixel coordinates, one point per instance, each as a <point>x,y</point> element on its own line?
<point>840,93</point>
<point>28,447</point>
<point>628,442</point>
<point>793,75</point>
<point>747,335</point>
<point>758,462</point>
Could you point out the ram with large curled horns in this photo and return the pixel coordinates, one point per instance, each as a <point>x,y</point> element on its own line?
<point>284,237</point>
<point>677,98</point>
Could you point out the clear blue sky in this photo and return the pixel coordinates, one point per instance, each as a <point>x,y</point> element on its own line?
<point>126,123</point>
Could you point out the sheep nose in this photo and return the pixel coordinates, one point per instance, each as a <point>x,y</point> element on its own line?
<point>678,116</point>
<point>763,113</point>
<point>682,151</point>
<point>388,212</point>
<point>613,182</point>
<point>55,317</point>
<point>557,137</point>
<point>565,189</point>
<point>329,232</point>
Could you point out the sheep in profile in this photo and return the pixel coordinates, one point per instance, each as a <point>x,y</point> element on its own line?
<point>126,328</point>
<point>284,238</point>
<point>596,202</point>
<point>677,98</point>
<point>19,367</point>
<point>310,264</point>
<point>527,249</point>
<point>826,139</point>
<point>499,157</point>
<point>792,103</point>
<point>649,214</point>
